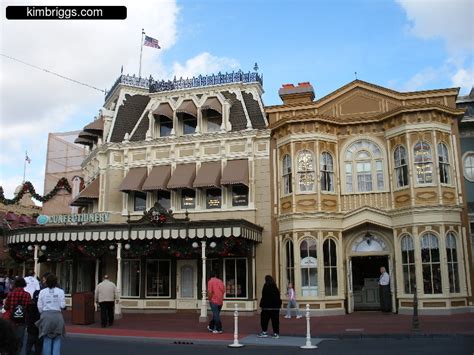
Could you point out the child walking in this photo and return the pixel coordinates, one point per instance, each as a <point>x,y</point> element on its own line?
<point>290,292</point>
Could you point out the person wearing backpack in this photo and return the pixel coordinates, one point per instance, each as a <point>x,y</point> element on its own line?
<point>51,327</point>
<point>16,304</point>
<point>32,316</point>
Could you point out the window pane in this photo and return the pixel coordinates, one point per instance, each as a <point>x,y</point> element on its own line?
<point>236,277</point>
<point>437,278</point>
<point>164,199</point>
<point>166,125</point>
<point>240,195</point>
<point>65,276</point>
<point>214,121</point>
<point>188,199</point>
<point>213,198</point>
<point>189,124</point>
<point>158,278</point>
<point>131,278</point>
<point>139,201</point>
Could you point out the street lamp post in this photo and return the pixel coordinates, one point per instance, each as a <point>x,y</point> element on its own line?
<point>203,315</point>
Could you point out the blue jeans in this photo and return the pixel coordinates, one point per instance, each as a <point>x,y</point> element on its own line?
<point>215,323</point>
<point>52,346</point>
<point>292,304</point>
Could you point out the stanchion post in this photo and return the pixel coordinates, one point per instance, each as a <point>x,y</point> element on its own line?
<point>308,344</point>
<point>236,343</point>
<point>415,322</point>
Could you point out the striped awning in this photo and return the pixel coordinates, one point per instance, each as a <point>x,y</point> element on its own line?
<point>236,172</point>
<point>188,107</point>
<point>88,194</point>
<point>209,175</point>
<point>134,180</point>
<point>183,177</point>
<point>158,178</point>
<point>164,109</point>
<point>212,103</point>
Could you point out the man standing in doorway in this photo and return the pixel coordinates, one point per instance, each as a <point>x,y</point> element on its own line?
<point>384,290</point>
<point>215,292</point>
<point>105,295</point>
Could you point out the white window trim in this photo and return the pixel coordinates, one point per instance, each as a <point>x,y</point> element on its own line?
<point>246,278</point>
<point>139,278</point>
<point>313,190</point>
<point>326,192</point>
<point>146,279</point>
<point>283,192</point>
<point>394,176</point>
<point>449,164</point>
<point>433,163</point>
<point>464,156</point>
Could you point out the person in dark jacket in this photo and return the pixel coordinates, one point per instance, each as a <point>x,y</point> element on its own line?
<point>270,303</point>
<point>33,315</point>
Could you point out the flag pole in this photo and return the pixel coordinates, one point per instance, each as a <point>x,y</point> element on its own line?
<point>24,166</point>
<point>141,50</point>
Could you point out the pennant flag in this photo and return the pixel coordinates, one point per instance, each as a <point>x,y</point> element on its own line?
<point>27,159</point>
<point>151,42</point>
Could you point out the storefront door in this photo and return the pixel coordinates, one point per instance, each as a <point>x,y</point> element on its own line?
<point>186,284</point>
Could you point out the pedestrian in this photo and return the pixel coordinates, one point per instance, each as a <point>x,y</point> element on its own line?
<point>384,290</point>
<point>8,340</point>
<point>215,293</point>
<point>32,316</point>
<point>105,296</point>
<point>290,292</point>
<point>270,303</point>
<point>51,301</point>
<point>32,283</point>
<point>16,305</point>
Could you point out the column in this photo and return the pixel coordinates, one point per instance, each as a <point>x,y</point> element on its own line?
<point>199,121</point>
<point>118,309</point>
<point>203,316</point>
<point>36,267</point>
<point>96,278</point>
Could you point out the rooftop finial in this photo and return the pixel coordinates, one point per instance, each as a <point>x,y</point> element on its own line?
<point>255,67</point>
<point>355,74</point>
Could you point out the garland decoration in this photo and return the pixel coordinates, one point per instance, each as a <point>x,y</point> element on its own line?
<point>96,250</point>
<point>20,253</point>
<point>28,187</point>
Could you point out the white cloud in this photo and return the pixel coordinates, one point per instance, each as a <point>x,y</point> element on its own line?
<point>421,79</point>
<point>450,20</point>
<point>464,78</point>
<point>204,63</point>
<point>34,103</point>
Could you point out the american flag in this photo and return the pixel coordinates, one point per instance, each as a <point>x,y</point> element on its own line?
<point>151,42</point>
<point>27,158</point>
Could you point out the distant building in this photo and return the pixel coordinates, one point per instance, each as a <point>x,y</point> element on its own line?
<point>466,133</point>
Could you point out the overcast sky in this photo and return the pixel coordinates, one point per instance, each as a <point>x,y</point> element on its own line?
<point>401,44</point>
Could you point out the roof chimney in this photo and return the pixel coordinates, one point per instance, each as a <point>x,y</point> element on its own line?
<point>301,94</point>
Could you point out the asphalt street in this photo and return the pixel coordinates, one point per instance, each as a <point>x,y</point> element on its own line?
<point>452,345</point>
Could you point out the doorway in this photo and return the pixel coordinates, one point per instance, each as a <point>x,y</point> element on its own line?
<point>365,281</point>
<point>186,284</point>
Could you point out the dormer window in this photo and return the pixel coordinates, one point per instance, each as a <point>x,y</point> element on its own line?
<point>212,114</point>
<point>187,117</point>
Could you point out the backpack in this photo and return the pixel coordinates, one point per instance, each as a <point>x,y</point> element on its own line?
<point>18,314</point>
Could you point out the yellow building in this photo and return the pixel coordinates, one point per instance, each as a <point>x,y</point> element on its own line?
<point>367,177</point>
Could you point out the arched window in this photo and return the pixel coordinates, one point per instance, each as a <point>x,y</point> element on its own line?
<point>363,167</point>
<point>430,263</point>
<point>309,267</point>
<point>452,258</point>
<point>327,172</point>
<point>305,170</point>
<point>286,174</point>
<point>330,267</point>
<point>468,163</point>
<point>423,163</point>
<point>443,163</point>
<point>401,166</point>
<point>290,262</point>
<point>408,264</point>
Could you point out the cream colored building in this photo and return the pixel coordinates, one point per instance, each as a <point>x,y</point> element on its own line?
<point>367,177</point>
<point>199,147</point>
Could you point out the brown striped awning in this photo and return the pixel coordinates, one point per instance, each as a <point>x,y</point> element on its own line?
<point>164,109</point>
<point>134,180</point>
<point>158,178</point>
<point>89,193</point>
<point>183,177</point>
<point>212,103</point>
<point>236,172</point>
<point>188,107</point>
<point>209,175</point>
<point>96,126</point>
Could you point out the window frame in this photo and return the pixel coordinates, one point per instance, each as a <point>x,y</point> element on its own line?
<point>468,155</point>
<point>134,201</point>
<point>287,175</point>
<point>453,251</point>
<point>139,277</point>
<point>398,165</point>
<point>289,250</point>
<point>411,262</point>
<point>423,162</point>
<point>350,174</point>
<point>325,171</point>
<point>309,288</point>
<point>146,278</point>
<point>331,268</point>
<point>246,276</point>
<point>300,173</point>
<point>431,263</point>
<point>443,153</point>
<point>207,198</point>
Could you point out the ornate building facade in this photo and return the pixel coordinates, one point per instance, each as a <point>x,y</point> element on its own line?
<point>193,155</point>
<point>367,177</point>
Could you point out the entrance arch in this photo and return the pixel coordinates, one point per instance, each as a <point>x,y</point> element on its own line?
<point>365,252</point>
